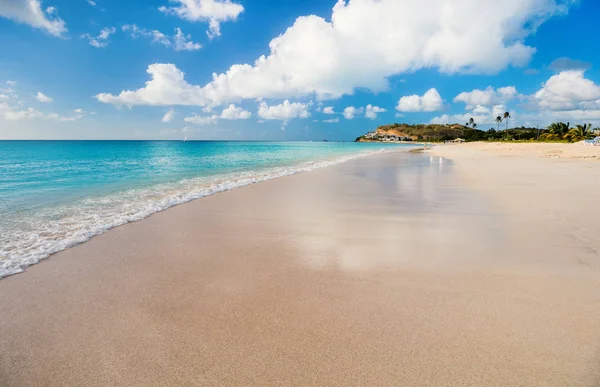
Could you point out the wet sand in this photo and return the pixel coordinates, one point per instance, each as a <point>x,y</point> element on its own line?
<point>396,269</point>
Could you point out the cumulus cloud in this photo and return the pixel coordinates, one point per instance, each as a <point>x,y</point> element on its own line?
<point>350,112</point>
<point>482,115</point>
<point>372,111</point>
<point>283,111</point>
<point>101,40</point>
<point>30,12</point>
<point>91,2</point>
<point>568,90</point>
<point>43,98</point>
<point>326,58</point>
<point>487,97</point>
<point>328,110</point>
<point>431,101</point>
<point>168,116</point>
<point>231,112</point>
<point>566,96</point>
<point>212,11</point>
<point>167,87</point>
<point>332,120</point>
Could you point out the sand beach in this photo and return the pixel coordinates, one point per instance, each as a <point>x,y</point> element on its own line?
<point>466,265</point>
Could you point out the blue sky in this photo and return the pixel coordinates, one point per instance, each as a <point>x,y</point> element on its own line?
<point>79,69</point>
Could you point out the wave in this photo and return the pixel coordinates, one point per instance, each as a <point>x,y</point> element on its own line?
<point>51,230</point>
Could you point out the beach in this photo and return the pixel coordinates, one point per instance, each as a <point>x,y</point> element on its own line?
<point>458,266</point>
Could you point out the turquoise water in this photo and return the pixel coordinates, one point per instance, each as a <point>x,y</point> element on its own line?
<point>55,194</point>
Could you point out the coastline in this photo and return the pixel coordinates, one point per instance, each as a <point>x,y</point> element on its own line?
<point>394,267</point>
<point>191,191</point>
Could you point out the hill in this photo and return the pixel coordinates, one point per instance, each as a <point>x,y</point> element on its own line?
<point>445,132</point>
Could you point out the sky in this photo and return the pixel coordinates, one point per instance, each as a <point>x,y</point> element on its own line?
<point>291,69</point>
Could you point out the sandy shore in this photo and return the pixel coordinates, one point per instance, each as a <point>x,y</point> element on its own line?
<point>546,150</point>
<point>397,269</point>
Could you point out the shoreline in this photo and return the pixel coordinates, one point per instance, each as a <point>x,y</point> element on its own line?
<point>316,279</point>
<point>223,186</point>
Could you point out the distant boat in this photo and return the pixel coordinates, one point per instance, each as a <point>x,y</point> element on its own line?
<point>184,138</point>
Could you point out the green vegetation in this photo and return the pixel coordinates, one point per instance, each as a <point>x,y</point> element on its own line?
<point>557,132</point>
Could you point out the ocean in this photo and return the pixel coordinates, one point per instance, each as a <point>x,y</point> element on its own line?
<point>56,194</point>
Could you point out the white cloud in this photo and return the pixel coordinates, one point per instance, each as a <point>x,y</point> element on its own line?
<point>30,12</point>
<point>569,90</point>
<point>179,41</point>
<point>431,101</point>
<point>487,97</point>
<point>168,116</point>
<point>183,42</point>
<point>566,96</point>
<point>328,110</point>
<point>481,110</point>
<point>79,113</point>
<point>233,112</point>
<point>326,58</point>
<point>11,83</point>
<point>212,11</point>
<point>372,111</point>
<point>482,115</point>
<point>167,87</point>
<point>11,113</point>
<point>460,119</point>
<point>134,30</point>
<point>283,111</point>
<point>157,36</point>
<point>160,38</point>
<point>332,120</point>
<point>12,108</point>
<point>350,112</point>
<point>43,98</point>
<point>91,2</point>
<point>101,40</point>
<point>508,92</point>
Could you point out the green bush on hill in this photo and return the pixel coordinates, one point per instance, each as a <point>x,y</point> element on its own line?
<point>440,132</point>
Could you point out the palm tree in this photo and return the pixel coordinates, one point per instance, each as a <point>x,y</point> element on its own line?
<point>559,129</point>
<point>506,117</point>
<point>498,121</point>
<point>579,132</point>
